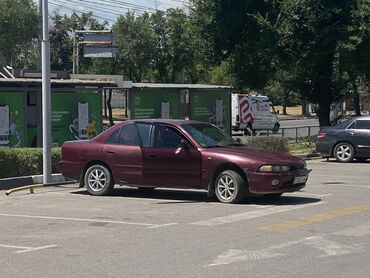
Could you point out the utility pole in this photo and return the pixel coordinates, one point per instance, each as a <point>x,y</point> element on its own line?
<point>46,96</point>
<point>39,40</point>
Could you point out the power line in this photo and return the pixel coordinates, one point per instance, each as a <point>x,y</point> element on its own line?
<point>79,12</point>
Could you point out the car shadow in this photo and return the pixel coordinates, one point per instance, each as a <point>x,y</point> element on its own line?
<point>175,196</point>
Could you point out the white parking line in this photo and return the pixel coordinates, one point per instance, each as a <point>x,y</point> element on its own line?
<point>25,249</point>
<point>152,226</point>
<point>268,210</point>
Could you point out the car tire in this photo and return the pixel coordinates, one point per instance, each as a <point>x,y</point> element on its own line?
<point>146,189</point>
<point>98,180</point>
<point>229,187</point>
<point>344,152</point>
<point>249,131</point>
<point>275,130</point>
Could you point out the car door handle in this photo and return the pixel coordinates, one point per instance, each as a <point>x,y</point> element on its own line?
<point>110,152</point>
<point>151,155</point>
<point>350,133</point>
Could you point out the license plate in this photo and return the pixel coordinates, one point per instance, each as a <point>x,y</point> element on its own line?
<point>300,179</point>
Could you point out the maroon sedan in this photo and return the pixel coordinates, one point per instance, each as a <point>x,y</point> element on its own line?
<point>179,154</point>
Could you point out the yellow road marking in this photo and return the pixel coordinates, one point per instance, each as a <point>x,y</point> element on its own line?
<point>315,218</point>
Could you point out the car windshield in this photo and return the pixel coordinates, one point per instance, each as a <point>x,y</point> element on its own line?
<point>209,136</point>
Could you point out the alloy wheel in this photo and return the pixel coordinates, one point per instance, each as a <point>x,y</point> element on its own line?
<point>226,187</point>
<point>344,152</point>
<point>97,180</point>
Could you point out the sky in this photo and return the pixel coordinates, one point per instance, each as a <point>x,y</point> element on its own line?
<point>109,10</point>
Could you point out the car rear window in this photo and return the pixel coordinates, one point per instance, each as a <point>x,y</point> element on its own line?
<point>362,124</point>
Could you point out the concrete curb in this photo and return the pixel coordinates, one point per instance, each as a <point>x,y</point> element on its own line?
<point>309,156</point>
<point>10,183</point>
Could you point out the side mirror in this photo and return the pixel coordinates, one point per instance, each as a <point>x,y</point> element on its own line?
<point>183,146</point>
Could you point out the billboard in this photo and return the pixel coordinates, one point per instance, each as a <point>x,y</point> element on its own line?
<point>75,116</point>
<point>12,123</point>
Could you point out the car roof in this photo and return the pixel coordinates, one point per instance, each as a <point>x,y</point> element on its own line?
<point>167,121</point>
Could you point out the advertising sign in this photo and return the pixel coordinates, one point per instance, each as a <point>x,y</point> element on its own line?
<point>12,119</point>
<point>155,105</point>
<point>212,107</point>
<point>75,116</point>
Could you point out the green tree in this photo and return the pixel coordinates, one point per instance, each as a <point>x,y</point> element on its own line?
<point>19,26</point>
<point>61,39</point>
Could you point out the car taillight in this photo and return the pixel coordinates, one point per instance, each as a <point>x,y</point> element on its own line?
<point>321,134</point>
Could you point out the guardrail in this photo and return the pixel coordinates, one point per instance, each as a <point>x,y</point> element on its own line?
<point>296,133</point>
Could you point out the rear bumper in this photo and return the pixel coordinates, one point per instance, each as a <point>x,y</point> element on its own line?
<point>71,169</point>
<point>324,148</point>
<point>261,183</point>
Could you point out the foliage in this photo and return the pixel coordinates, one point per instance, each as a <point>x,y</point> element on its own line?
<point>277,144</point>
<point>25,161</point>
<point>19,25</point>
<point>61,38</point>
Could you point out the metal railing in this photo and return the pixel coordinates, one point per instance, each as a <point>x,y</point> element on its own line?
<point>295,133</point>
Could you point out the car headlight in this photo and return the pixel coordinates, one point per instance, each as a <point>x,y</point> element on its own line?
<point>274,168</point>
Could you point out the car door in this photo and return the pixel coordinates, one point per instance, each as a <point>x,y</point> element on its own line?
<point>123,153</point>
<point>166,164</point>
<point>360,135</point>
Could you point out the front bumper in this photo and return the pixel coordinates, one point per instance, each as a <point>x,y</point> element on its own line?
<point>261,183</point>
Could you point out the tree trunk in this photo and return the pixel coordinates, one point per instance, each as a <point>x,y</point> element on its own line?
<point>304,107</point>
<point>325,99</point>
<point>109,104</point>
<point>285,101</point>
<point>356,99</point>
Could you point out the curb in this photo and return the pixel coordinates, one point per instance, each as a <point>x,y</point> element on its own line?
<point>309,156</point>
<point>10,183</point>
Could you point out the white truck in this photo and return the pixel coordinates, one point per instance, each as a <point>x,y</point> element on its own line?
<point>251,113</point>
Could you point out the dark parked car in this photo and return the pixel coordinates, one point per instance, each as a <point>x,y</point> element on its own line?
<point>179,154</point>
<point>346,141</point>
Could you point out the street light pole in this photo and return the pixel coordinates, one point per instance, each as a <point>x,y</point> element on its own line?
<point>46,95</point>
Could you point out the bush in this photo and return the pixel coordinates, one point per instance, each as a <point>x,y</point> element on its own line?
<point>25,161</point>
<point>277,144</point>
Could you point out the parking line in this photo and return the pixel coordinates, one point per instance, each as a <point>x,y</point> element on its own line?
<point>268,210</point>
<point>25,249</point>
<point>152,226</point>
<point>315,218</point>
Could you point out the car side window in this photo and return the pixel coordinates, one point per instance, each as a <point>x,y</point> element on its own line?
<point>362,124</point>
<point>113,139</point>
<point>129,136</point>
<point>163,137</point>
<point>144,132</point>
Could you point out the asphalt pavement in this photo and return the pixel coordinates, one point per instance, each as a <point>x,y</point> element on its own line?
<point>321,231</point>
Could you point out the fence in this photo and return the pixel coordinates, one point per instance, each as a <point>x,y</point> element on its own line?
<point>296,133</point>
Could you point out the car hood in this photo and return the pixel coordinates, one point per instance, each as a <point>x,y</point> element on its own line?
<point>257,155</point>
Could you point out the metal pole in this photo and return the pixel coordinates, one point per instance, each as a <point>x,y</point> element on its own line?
<point>46,98</point>
<point>74,53</point>
<point>39,38</point>
<point>77,59</point>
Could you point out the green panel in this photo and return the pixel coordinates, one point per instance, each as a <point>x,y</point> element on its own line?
<point>148,105</point>
<point>64,115</point>
<point>212,107</point>
<point>15,101</point>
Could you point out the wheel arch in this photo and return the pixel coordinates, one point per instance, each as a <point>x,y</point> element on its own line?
<point>223,167</point>
<point>88,165</point>
<point>339,142</point>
